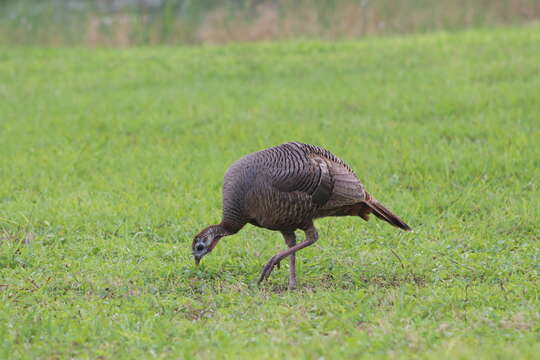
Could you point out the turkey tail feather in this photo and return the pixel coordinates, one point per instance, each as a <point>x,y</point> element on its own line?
<point>384,214</point>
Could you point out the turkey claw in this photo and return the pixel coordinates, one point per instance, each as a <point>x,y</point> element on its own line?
<point>267,270</point>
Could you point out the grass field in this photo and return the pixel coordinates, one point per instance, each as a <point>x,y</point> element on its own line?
<point>112,160</point>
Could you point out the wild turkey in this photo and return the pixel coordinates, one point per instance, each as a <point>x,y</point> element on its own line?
<point>284,188</point>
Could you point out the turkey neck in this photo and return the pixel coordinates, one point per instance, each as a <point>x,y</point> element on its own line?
<point>230,227</point>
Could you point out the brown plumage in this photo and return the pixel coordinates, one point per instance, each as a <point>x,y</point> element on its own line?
<point>284,188</point>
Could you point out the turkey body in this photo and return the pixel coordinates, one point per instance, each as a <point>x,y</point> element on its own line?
<point>286,187</point>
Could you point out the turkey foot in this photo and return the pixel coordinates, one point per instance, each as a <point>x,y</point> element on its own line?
<point>267,270</point>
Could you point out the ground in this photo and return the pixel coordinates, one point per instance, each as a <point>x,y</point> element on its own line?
<point>112,160</point>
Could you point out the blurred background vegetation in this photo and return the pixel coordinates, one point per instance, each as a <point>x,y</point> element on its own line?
<point>125,23</point>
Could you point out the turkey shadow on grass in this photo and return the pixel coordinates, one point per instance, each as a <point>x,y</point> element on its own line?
<point>221,279</point>
<point>328,282</point>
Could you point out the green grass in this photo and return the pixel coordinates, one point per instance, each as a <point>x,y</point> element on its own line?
<point>112,160</point>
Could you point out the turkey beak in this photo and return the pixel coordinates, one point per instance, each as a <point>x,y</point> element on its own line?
<point>197,260</point>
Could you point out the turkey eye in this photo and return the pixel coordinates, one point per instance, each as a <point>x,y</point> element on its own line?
<point>200,247</point>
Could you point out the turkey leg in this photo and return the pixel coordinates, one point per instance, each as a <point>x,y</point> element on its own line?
<point>311,237</point>
<point>290,239</point>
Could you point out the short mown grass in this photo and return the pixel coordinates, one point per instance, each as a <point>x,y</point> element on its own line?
<point>112,160</point>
